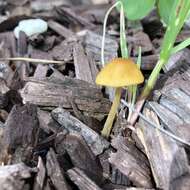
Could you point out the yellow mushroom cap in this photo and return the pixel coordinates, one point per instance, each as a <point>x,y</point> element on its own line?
<point>119,72</point>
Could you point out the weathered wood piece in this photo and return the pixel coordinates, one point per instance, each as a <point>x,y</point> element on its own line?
<point>166,115</point>
<point>3,96</point>
<point>61,30</point>
<point>70,16</point>
<point>134,188</point>
<point>85,159</point>
<point>82,67</point>
<point>47,123</point>
<point>168,161</point>
<point>24,132</point>
<point>177,59</point>
<point>63,51</point>
<point>55,172</point>
<point>41,71</point>
<point>87,97</point>
<point>47,5</point>
<point>148,62</point>
<point>82,180</point>
<point>140,39</point>
<point>176,108</point>
<point>40,176</point>
<point>132,163</point>
<point>11,176</point>
<point>182,183</point>
<point>96,143</point>
<point>93,46</point>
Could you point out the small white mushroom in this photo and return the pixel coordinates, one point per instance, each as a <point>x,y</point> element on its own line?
<point>31,27</point>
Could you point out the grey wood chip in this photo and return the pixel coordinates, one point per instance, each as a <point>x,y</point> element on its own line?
<point>96,142</point>
<point>85,159</point>
<point>81,180</point>
<point>168,161</point>
<point>41,175</point>
<point>61,30</point>
<point>55,93</point>
<point>82,66</point>
<point>175,108</point>
<point>54,171</point>
<point>180,97</point>
<point>168,117</point>
<point>11,176</point>
<point>93,46</point>
<point>132,167</point>
<point>177,59</point>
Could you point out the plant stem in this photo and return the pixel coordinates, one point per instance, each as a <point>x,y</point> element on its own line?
<point>177,19</point>
<point>109,121</point>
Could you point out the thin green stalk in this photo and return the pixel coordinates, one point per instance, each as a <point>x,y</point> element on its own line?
<point>177,20</point>
<point>181,46</point>
<point>178,16</point>
<point>134,87</point>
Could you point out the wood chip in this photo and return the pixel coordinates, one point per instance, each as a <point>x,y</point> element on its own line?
<point>41,175</point>
<point>81,180</point>
<point>96,143</point>
<point>85,160</point>
<point>168,161</point>
<point>93,46</point>
<point>132,167</point>
<point>24,132</point>
<point>82,67</point>
<point>11,176</point>
<point>61,30</point>
<point>55,172</point>
<point>87,97</point>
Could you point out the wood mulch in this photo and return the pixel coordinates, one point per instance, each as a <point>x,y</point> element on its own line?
<point>51,115</point>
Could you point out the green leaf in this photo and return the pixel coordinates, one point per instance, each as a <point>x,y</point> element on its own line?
<point>137,9</point>
<point>181,46</point>
<point>164,9</point>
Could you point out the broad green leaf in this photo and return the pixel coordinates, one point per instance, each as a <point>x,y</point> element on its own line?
<point>164,9</point>
<point>137,9</point>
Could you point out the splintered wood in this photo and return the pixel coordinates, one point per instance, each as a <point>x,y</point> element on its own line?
<point>87,97</point>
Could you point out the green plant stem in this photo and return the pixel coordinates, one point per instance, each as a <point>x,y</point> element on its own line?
<point>109,121</point>
<point>177,19</point>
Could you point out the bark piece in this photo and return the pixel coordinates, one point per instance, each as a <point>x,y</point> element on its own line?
<point>134,188</point>
<point>24,132</point>
<point>63,51</point>
<point>182,183</point>
<point>93,46</point>
<point>11,176</point>
<point>96,143</point>
<point>61,30</point>
<point>168,161</point>
<point>140,39</point>
<point>177,59</point>
<point>132,167</point>
<point>82,67</point>
<point>47,5</point>
<point>70,16</point>
<point>81,180</point>
<point>167,116</point>
<point>85,159</point>
<point>41,71</point>
<point>176,108</point>
<point>55,172</point>
<point>47,123</point>
<point>87,97</point>
<point>40,177</point>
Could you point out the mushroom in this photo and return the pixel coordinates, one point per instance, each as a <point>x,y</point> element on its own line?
<point>118,73</point>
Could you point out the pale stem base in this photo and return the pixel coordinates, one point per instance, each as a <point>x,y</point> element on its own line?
<point>111,116</point>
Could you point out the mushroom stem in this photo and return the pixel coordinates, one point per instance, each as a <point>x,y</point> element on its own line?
<point>109,121</point>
